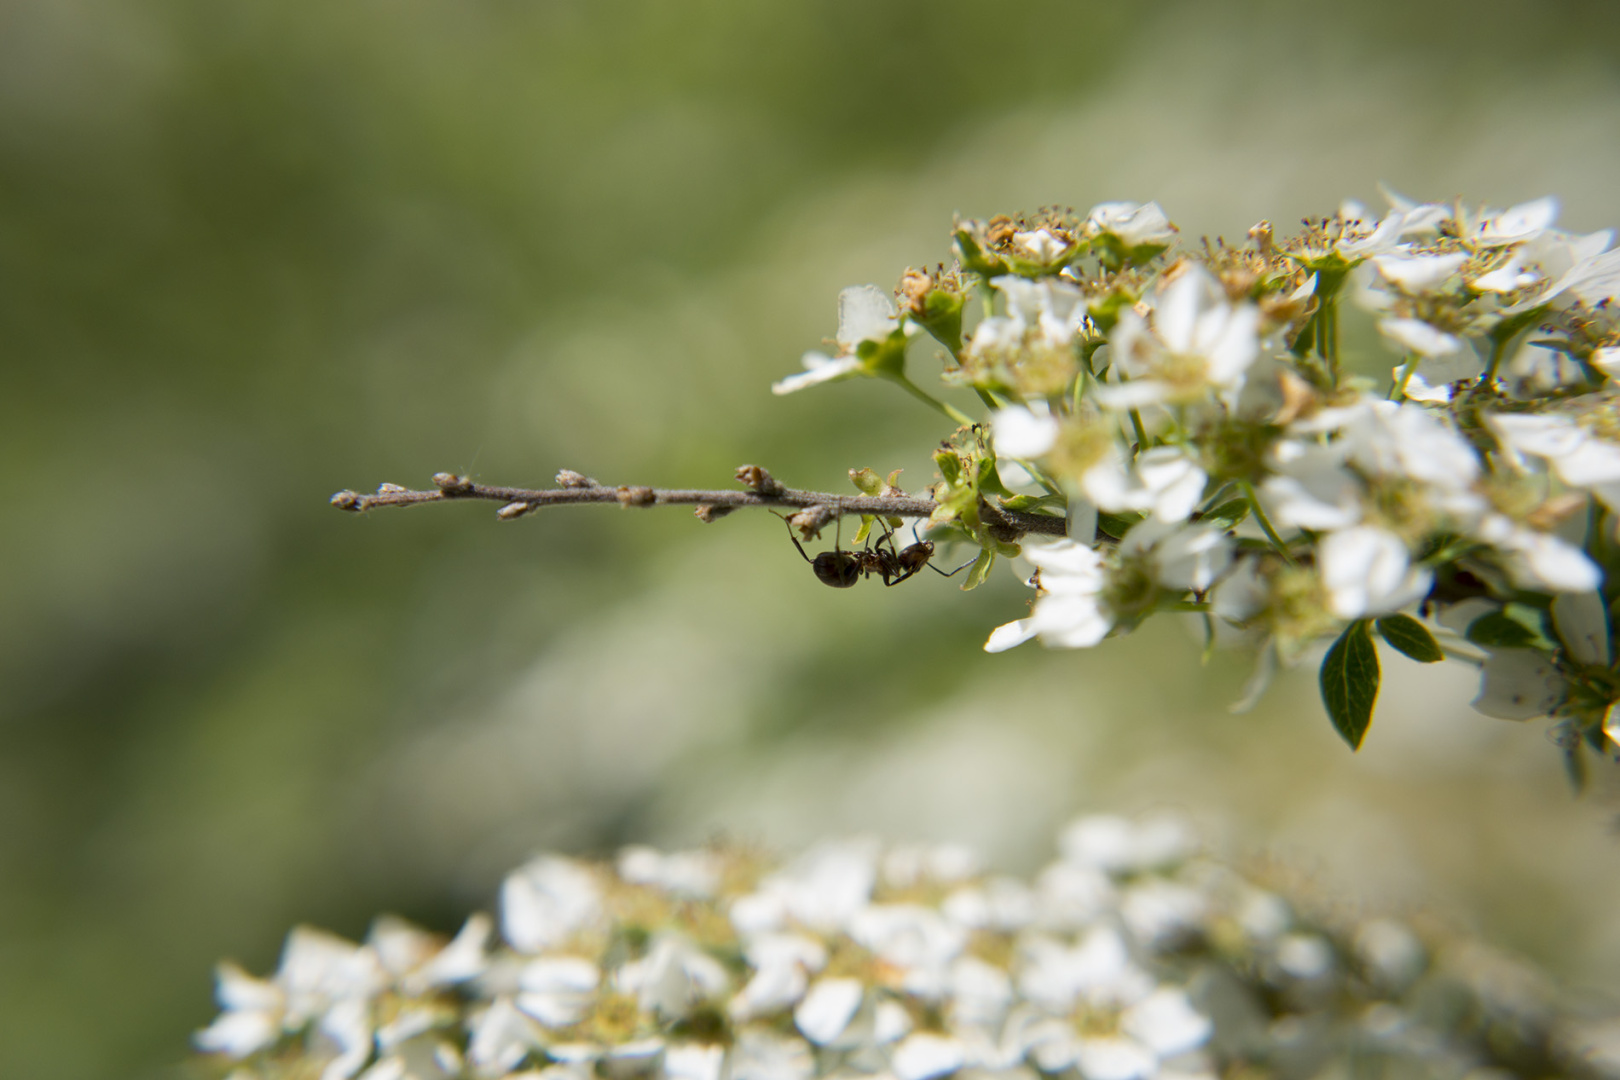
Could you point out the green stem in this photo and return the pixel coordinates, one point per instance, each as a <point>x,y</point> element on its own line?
<point>1141,432</point>
<point>1265,522</point>
<point>988,398</point>
<point>1498,347</point>
<point>949,411</point>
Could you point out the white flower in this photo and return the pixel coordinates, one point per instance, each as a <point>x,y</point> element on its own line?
<point>980,993</point>
<point>680,873</point>
<point>1098,971</point>
<point>1119,845</point>
<point>1182,556</point>
<point>923,1056</point>
<point>1001,903</point>
<point>1166,482</point>
<point>500,1038</point>
<point>771,990</point>
<point>1041,245</point>
<point>762,1055</point>
<point>546,902</point>
<point>1134,224</point>
<point>1518,684</point>
<point>865,313</point>
<point>1578,457</point>
<point>917,941</point>
<point>1069,612</point>
<point>818,368</point>
<point>694,1061</point>
<point>1115,1059</point>
<point>1418,274</point>
<point>558,990</point>
<point>821,889</point>
<point>673,978</point>
<point>1417,336</point>
<point>827,1009</point>
<point>1517,224</point>
<point>416,960</point>
<point>1023,433</point>
<point>1537,559</point>
<point>251,1019</point>
<point>1367,571</point>
<point>1166,1023</point>
<point>1311,488</point>
<point>1198,341</point>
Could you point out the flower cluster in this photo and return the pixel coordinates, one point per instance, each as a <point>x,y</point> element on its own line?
<point>1130,957</point>
<point>1191,417</point>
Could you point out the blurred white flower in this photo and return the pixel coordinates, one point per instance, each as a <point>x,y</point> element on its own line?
<point>558,990</point>
<point>1197,342</point>
<point>1069,611</point>
<point>1166,482</point>
<point>546,902</point>
<point>680,873</point>
<point>1418,274</point>
<point>1023,433</point>
<point>1368,571</point>
<point>1181,556</point>
<point>673,978</point>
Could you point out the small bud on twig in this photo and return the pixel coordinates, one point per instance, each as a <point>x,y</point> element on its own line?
<point>514,510</point>
<point>451,484</point>
<point>708,512</point>
<point>568,478</point>
<point>811,520</point>
<point>346,500</point>
<point>761,481</point>
<point>637,496</point>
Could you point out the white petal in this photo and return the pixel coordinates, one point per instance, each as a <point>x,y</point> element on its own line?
<point>1020,433</point>
<point>1417,336</point>
<point>1115,1059</point>
<point>1419,273</point>
<point>1582,621</point>
<point>1518,684</point>
<point>1166,1023</point>
<point>865,313</point>
<point>924,1056</point>
<point>828,1008</point>
<point>819,368</point>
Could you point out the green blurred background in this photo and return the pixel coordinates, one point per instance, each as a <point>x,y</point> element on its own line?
<point>254,251</point>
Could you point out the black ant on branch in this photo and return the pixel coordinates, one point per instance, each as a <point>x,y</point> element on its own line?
<point>842,569</point>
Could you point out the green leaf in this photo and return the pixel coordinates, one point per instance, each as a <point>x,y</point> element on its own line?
<point>1410,638</point>
<point>950,466</point>
<point>865,529</point>
<point>1499,630</point>
<point>1227,515</point>
<point>981,569</point>
<point>1117,525</point>
<point>869,482</point>
<point>1349,680</point>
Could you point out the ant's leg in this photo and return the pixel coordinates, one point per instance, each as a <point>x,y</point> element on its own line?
<point>952,573</point>
<point>795,539</point>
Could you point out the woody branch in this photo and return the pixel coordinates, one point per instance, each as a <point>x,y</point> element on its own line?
<point>815,508</point>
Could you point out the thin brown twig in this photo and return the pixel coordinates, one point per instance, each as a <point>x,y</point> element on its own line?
<point>817,508</point>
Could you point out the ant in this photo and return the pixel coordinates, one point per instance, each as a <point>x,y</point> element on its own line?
<point>842,569</point>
